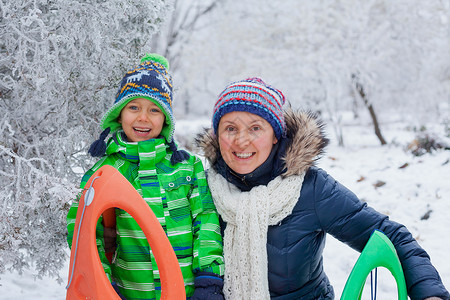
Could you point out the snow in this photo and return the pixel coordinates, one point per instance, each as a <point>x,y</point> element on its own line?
<point>409,193</point>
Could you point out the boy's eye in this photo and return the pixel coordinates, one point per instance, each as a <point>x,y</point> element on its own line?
<point>155,110</point>
<point>133,107</point>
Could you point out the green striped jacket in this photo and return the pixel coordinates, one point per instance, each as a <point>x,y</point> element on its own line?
<point>180,198</point>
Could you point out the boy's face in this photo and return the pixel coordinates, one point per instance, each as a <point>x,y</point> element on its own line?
<point>141,120</point>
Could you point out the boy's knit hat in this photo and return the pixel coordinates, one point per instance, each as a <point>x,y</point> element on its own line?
<point>150,80</point>
<point>252,95</point>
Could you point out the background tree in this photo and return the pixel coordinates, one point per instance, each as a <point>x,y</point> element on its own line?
<point>59,65</point>
<point>186,19</point>
<point>359,90</point>
<point>310,49</point>
<point>60,62</point>
<point>180,24</point>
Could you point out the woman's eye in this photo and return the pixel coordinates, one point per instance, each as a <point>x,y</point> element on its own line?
<point>230,129</point>
<point>255,128</point>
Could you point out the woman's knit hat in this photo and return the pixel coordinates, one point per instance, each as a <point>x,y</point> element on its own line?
<point>150,80</point>
<point>252,95</point>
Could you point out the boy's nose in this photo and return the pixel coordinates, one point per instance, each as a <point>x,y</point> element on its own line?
<point>143,117</point>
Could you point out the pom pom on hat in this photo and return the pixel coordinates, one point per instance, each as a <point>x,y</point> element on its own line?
<point>255,96</point>
<point>177,155</point>
<point>156,58</point>
<point>98,147</point>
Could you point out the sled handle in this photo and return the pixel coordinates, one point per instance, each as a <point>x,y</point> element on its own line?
<point>378,252</point>
<point>109,221</point>
<point>89,281</point>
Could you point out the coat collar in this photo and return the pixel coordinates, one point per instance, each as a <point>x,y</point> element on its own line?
<point>304,144</point>
<point>147,153</point>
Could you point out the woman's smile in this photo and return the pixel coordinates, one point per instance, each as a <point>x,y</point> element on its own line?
<point>244,155</point>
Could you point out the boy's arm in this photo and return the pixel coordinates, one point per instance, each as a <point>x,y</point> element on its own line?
<point>208,245</point>
<point>208,262</point>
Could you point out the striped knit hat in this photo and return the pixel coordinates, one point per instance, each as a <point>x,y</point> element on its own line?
<point>150,80</point>
<point>254,96</point>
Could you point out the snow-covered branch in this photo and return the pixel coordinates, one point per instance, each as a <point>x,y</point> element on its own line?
<point>60,62</point>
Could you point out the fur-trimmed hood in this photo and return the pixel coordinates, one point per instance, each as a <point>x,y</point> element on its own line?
<point>306,142</point>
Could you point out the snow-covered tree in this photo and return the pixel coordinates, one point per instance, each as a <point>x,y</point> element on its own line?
<point>312,49</point>
<point>179,26</point>
<point>60,63</point>
<point>186,19</point>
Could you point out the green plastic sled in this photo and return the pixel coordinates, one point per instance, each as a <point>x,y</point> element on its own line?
<point>378,252</point>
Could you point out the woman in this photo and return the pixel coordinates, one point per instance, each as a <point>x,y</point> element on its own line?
<point>277,207</point>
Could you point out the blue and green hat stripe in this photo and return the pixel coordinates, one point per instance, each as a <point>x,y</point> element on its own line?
<point>149,80</point>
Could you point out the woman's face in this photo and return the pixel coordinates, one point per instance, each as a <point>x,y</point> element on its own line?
<point>245,140</point>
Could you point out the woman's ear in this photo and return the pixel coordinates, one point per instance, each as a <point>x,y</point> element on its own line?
<point>275,140</point>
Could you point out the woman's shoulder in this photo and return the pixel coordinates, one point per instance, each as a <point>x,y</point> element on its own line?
<point>313,185</point>
<point>321,186</point>
<point>315,175</point>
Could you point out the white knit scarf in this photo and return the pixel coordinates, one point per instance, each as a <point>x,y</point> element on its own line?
<point>248,215</point>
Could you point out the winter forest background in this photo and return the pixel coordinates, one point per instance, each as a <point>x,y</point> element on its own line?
<point>371,65</point>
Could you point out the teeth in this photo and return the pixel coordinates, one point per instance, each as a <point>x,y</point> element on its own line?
<point>243,155</point>
<point>142,130</point>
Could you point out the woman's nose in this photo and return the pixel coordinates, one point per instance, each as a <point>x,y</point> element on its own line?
<point>243,139</point>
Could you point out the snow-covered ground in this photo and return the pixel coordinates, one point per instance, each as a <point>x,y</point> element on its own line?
<point>414,187</point>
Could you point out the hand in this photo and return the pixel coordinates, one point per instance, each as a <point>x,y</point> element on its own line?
<point>209,293</point>
<point>208,286</point>
<point>109,236</point>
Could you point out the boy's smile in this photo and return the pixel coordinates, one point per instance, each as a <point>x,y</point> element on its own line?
<point>141,120</point>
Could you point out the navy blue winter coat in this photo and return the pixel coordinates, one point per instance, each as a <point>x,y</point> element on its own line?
<point>295,246</point>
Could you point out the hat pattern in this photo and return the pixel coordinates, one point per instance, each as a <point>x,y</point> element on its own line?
<point>138,80</point>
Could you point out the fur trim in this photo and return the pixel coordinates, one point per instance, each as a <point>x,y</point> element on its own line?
<point>307,141</point>
<point>208,144</point>
<point>305,131</point>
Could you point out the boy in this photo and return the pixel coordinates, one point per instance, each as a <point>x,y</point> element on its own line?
<point>171,181</point>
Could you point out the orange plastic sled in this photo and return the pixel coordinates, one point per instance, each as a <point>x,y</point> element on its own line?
<point>87,280</point>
